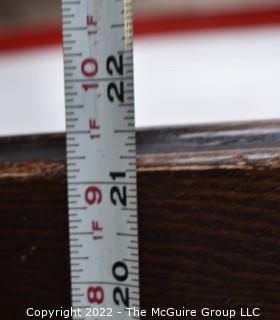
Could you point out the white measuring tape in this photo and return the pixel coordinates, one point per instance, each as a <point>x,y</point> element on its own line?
<point>98,63</point>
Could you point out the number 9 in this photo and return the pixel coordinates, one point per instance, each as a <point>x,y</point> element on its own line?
<point>93,195</point>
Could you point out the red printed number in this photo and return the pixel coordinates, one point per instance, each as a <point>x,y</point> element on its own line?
<point>91,21</point>
<point>89,69</point>
<point>94,127</point>
<point>93,195</point>
<point>96,229</point>
<point>86,86</point>
<point>95,295</point>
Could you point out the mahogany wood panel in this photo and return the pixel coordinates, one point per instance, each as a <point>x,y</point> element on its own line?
<point>209,219</point>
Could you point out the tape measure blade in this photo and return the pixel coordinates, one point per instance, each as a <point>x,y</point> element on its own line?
<point>101,165</point>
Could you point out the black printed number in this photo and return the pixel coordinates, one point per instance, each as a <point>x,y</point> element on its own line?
<point>114,64</point>
<point>115,90</point>
<point>120,273</point>
<point>121,296</point>
<point>119,195</point>
<point>115,67</point>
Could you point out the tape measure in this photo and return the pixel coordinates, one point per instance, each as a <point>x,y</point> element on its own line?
<point>101,165</point>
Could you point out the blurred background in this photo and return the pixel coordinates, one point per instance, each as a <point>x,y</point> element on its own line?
<point>196,61</point>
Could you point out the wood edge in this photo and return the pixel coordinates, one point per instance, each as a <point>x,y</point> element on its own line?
<point>196,161</point>
<point>29,170</point>
<point>241,145</point>
<point>266,159</point>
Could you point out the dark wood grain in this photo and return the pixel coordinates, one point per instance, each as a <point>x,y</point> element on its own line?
<point>209,208</point>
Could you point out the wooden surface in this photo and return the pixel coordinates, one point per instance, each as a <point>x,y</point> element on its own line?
<point>209,208</point>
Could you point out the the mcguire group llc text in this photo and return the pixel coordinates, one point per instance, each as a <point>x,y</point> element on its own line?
<point>192,313</point>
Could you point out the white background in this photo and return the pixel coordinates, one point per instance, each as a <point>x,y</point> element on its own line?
<point>187,78</point>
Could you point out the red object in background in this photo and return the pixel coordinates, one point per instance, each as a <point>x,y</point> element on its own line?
<point>183,23</point>
<point>40,36</point>
<point>21,38</point>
